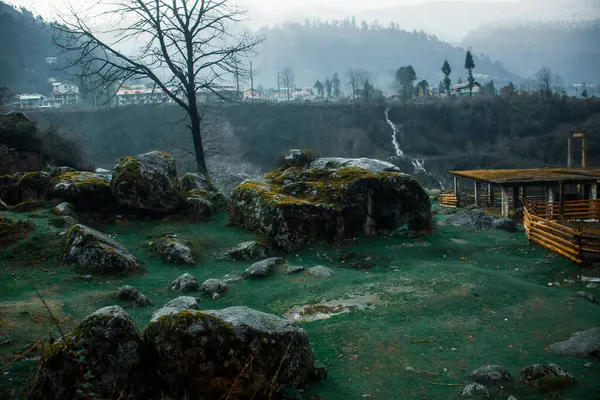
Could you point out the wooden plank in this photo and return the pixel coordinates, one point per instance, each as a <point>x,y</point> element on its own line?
<point>591,250</point>
<point>554,224</point>
<point>567,242</point>
<point>574,252</point>
<point>559,251</point>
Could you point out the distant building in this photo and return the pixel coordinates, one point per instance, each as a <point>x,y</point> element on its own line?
<point>462,89</point>
<point>219,94</point>
<point>31,100</point>
<point>64,94</point>
<point>252,95</point>
<point>141,95</point>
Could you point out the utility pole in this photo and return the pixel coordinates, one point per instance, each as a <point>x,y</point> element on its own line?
<point>278,85</point>
<point>251,81</point>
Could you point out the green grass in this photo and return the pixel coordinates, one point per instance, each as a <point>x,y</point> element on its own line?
<point>495,307</point>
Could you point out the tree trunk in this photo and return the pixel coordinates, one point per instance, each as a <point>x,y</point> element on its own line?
<point>197,134</point>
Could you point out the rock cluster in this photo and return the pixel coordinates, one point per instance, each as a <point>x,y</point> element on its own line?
<point>330,198</point>
<point>184,352</point>
<point>476,219</point>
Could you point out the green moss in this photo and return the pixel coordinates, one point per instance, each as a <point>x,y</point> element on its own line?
<point>199,193</point>
<point>34,176</point>
<point>13,232</point>
<point>81,179</point>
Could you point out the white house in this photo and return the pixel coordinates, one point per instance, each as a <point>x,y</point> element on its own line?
<point>64,93</point>
<point>126,96</point>
<point>462,89</point>
<point>31,100</point>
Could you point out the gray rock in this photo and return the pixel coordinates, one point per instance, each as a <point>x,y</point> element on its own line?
<point>198,207</point>
<point>492,375</point>
<point>292,269</point>
<point>65,209</point>
<point>248,251</point>
<point>129,293</point>
<point>96,252</point>
<point>237,279</point>
<point>587,295</point>
<point>147,182</point>
<point>100,357</point>
<point>263,268</point>
<point>321,271</point>
<point>368,164</point>
<point>231,339</point>
<point>588,365</point>
<point>547,377</point>
<point>199,185</point>
<point>185,283</point>
<point>475,390</point>
<point>211,287</point>
<point>476,219</point>
<point>87,191</point>
<point>512,398</point>
<point>296,158</point>
<point>173,251</point>
<point>3,206</point>
<point>580,344</point>
<point>184,303</point>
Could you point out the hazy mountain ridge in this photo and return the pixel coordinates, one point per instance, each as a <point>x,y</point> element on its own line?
<point>571,49</point>
<point>317,50</point>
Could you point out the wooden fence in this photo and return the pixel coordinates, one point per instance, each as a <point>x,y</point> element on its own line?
<point>448,199</point>
<point>564,232</point>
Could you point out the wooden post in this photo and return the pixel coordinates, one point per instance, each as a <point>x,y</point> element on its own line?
<point>570,151</point>
<point>516,197</point>
<point>549,199</point>
<point>524,196</point>
<point>594,191</point>
<point>457,190</point>
<point>477,199</point>
<point>505,201</point>
<point>561,199</point>
<point>490,195</point>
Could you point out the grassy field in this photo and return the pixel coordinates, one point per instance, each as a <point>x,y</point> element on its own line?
<point>414,316</point>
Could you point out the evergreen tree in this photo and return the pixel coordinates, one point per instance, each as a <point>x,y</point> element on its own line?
<point>335,82</point>
<point>490,88</point>
<point>318,86</point>
<point>442,86</point>
<point>405,77</point>
<point>328,86</point>
<point>584,94</point>
<point>470,65</point>
<point>446,70</point>
<point>459,81</point>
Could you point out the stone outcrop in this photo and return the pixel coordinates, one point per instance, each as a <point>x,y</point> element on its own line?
<point>202,354</point>
<point>101,357</point>
<point>330,199</point>
<point>87,191</point>
<point>173,251</point>
<point>96,252</point>
<point>148,183</point>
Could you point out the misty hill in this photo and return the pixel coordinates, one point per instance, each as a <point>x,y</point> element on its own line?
<point>452,20</point>
<point>572,50</point>
<point>316,50</point>
<point>25,44</point>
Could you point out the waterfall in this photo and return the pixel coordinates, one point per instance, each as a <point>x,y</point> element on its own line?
<point>418,163</point>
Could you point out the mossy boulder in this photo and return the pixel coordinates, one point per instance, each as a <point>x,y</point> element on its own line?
<point>198,206</point>
<point>172,250</point>
<point>64,209</point>
<point>10,192</point>
<point>251,250</point>
<point>547,377</point>
<point>87,191</point>
<point>12,232</point>
<point>148,183</point>
<point>237,352</point>
<point>96,252</point>
<point>36,185</point>
<point>198,185</point>
<point>101,358</point>
<point>330,199</point>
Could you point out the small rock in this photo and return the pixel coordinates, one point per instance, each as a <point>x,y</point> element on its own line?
<point>591,285</point>
<point>216,296</point>
<point>85,278</point>
<point>588,365</point>
<point>321,271</point>
<point>213,286</point>
<point>173,251</point>
<point>65,210</point>
<point>492,375</point>
<point>183,303</point>
<point>185,283</point>
<point>3,206</point>
<point>263,268</point>
<point>547,377</point>
<point>512,398</point>
<point>233,280</point>
<point>292,269</point>
<point>248,251</point>
<point>129,293</point>
<point>587,295</point>
<point>475,390</point>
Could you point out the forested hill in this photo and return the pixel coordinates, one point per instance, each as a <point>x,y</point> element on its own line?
<point>571,49</point>
<point>25,43</point>
<point>316,50</point>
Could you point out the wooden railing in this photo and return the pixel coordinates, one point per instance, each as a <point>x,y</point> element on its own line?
<point>448,199</point>
<point>563,232</point>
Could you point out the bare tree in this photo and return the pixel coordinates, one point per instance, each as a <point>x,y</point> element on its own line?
<point>353,83</point>
<point>559,84</point>
<point>543,82</point>
<point>288,81</point>
<point>187,46</point>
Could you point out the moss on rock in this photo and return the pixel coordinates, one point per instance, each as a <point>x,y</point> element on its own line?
<point>87,191</point>
<point>292,205</point>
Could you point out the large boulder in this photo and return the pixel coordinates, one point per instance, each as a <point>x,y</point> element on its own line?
<point>173,251</point>
<point>329,199</point>
<point>547,377</point>
<point>10,191</point>
<point>199,185</point>
<point>101,358</point>
<point>580,344</point>
<point>147,182</point>
<point>263,268</point>
<point>248,251</point>
<point>238,353</point>
<point>87,191</point>
<point>96,252</point>
<point>36,185</point>
<point>476,219</point>
<point>198,206</point>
